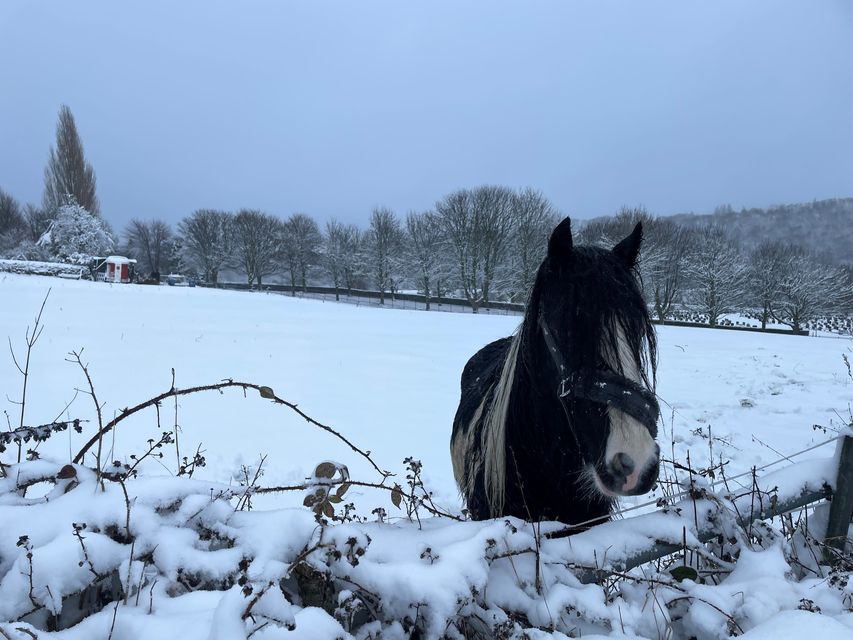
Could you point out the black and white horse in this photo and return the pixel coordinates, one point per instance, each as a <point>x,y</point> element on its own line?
<point>559,419</point>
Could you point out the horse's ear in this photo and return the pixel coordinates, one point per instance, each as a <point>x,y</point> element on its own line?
<point>560,244</point>
<point>629,248</point>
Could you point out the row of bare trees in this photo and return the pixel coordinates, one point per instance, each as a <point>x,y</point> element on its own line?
<point>480,243</point>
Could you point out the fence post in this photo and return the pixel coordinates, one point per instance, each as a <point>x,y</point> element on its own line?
<point>841,507</point>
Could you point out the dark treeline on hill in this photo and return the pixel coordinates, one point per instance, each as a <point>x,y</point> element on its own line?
<point>822,226</point>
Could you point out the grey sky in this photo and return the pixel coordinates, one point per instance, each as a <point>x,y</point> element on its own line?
<point>332,108</point>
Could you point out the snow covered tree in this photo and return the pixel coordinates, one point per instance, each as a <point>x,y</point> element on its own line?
<point>808,288</point>
<point>208,239</point>
<point>257,237</point>
<point>75,235</point>
<point>333,253</point>
<point>769,263</point>
<point>477,225</point>
<point>533,219</point>
<point>384,242</point>
<point>149,243</point>
<point>300,248</point>
<point>717,272</point>
<point>343,255</point>
<point>663,263</point>
<point>424,248</point>
<point>67,173</point>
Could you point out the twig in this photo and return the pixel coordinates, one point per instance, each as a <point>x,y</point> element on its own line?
<point>177,447</point>
<point>76,358</point>
<point>78,527</point>
<point>245,500</point>
<point>265,392</point>
<point>31,339</point>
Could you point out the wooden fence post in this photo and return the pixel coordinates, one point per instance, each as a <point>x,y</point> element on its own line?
<point>841,507</point>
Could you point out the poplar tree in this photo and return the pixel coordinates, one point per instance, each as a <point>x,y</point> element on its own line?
<point>67,173</point>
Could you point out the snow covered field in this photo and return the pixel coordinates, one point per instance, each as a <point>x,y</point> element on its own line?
<point>387,379</point>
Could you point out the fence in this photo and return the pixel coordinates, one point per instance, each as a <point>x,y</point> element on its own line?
<point>416,301</point>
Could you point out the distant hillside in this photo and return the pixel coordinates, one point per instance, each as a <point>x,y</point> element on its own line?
<point>825,226</point>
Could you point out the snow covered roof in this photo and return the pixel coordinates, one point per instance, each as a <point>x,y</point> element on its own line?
<point>120,260</point>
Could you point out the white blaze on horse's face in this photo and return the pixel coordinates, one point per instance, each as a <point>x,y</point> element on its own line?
<point>631,452</point>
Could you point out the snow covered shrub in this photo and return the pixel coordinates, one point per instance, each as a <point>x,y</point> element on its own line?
<point>76,232</point>
<point>29,250</point>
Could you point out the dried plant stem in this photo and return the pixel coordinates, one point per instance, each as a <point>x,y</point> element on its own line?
<point>75,357</point>
<point>265,392</point>
<point>31,339</point>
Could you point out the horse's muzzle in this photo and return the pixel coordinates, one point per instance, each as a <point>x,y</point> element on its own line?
<point>623,476</point>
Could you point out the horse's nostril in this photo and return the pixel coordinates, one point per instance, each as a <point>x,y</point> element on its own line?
<point>622,465</point>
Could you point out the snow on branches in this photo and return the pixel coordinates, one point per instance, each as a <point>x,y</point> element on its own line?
<point>75,235</point>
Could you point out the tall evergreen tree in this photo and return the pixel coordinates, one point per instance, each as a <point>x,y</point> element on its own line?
<point>67,173</point>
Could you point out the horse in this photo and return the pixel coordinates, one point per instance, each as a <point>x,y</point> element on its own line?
<point>558,420</point>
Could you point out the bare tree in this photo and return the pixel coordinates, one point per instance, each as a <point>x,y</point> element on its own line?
<point>257,237</point>
<point>341,246</point>
<point>148,242</point>
<point>718,273</point>
<point>13,227</point>
<point>424,248</point>
<point>769,263</point>
<point>533,217</point>
<point>384,241</point>
<point>353,264</point>
<point>300,248</point>
<point>67,173</point>
<point>808,288</point>
<point>208,238</point>
<point>663,258</point>
<point>477,225</point>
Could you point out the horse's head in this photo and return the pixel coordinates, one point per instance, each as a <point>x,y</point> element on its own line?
<point>596,352</point>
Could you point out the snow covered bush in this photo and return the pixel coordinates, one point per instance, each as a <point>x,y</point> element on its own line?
<point>75,232</point>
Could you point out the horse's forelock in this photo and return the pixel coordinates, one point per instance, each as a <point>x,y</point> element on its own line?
<point>600,301</point>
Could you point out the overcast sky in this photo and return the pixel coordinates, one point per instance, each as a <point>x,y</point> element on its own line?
<point>332,108</point>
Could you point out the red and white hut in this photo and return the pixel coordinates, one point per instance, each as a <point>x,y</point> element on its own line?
<point>119,269</point>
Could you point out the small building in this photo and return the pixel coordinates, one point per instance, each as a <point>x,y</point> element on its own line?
<point>119,269</point>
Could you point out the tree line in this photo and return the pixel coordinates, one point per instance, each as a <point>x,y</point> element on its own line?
<point>705,269</point>
<point>482,244</point>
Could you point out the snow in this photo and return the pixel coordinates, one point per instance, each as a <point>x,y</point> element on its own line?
<point>388,380</point>
<point>801,624</point>
<point>41,268</point>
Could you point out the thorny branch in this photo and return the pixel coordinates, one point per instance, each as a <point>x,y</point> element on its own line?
<point>264,391</point>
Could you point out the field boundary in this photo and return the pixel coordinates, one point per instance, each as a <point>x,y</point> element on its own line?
<point>491,307</point>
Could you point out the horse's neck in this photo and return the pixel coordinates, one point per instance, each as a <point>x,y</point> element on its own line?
<point>535,377</point>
